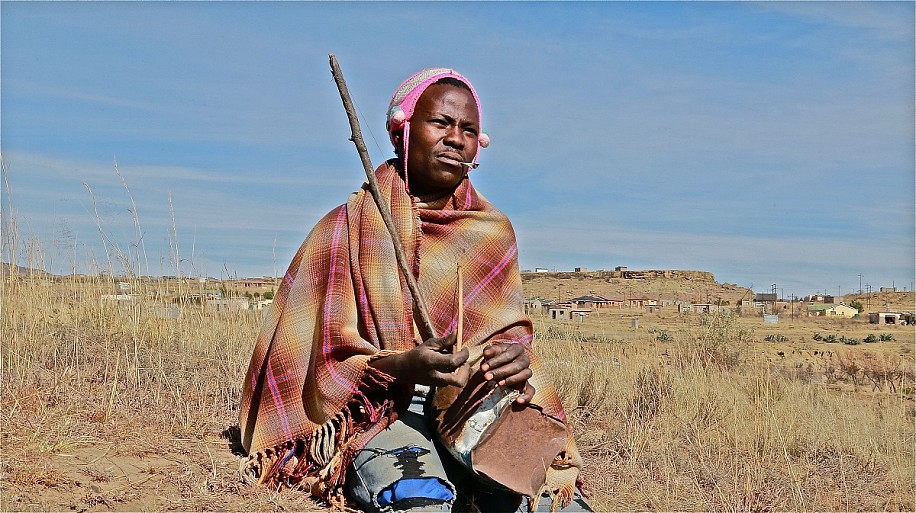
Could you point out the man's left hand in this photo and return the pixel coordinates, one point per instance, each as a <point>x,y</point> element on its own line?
<point>508,365</point>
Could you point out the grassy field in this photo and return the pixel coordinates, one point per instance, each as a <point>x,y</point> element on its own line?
<point>128,408</point>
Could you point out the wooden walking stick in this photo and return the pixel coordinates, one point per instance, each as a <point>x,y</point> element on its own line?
<point>426,326</point>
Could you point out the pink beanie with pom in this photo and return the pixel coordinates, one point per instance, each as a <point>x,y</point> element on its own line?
<point>405,100</point>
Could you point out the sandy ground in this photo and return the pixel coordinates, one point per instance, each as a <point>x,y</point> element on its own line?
<point>135,467</point>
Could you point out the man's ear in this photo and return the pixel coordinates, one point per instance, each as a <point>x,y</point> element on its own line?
<point>398,142</point>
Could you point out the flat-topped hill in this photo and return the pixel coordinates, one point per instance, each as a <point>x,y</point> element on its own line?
<point>676,285</point>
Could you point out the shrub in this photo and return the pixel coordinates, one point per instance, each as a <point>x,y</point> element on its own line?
<point>849,341</point>
<point>817,336</point>
<point>662,336</point>
<point>870,338</point>
<point>717,342</point>
<point>886,337</point>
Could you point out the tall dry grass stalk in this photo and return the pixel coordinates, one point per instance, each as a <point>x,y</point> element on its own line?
<point>699,425</point>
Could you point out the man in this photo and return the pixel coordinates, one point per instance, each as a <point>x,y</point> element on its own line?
<point>337,396</point>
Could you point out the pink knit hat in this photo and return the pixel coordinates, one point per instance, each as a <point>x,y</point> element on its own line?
<point>404,101</point>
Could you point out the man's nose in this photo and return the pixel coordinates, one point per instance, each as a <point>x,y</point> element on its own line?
<point>454,137</point>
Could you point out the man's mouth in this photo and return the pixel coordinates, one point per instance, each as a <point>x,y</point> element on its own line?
<point>453,159</point>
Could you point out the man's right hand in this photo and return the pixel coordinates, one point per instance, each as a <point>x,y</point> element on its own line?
<point>430,363</point>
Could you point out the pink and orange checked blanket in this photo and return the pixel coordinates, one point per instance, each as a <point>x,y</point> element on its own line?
<point>310,399</point>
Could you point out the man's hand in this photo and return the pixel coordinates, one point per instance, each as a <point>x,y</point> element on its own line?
<point>508,365</point>
<point>430,363</point>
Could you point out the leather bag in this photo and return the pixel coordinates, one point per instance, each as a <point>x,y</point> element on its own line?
<point>499,440</point>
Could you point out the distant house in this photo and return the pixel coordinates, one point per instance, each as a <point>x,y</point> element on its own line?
<point>641,302</point>
<point>541,270</point>
<point>835,311</point>
<point>887,318</point>
<point>702,308</point>
<point>537,305</point>
<point>765,301</point>
<point>567,312</point>
<point>596,302</point>
<point>819,298</point>
<point>227,305</point>
<point>580,270</point>
<point>254,283</point>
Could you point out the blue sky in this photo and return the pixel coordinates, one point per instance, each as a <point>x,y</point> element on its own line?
<point>764,142</point>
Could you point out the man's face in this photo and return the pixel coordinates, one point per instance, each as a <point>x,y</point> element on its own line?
<point>443,134</point>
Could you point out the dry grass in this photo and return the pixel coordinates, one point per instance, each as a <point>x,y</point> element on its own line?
<point>702,424</point>
<point>108,408</point>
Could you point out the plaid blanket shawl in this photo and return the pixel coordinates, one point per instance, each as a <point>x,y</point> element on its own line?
<point>310,399</point>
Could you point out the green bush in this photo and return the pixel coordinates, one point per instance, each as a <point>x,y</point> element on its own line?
<point>870,338</point>
<point>886,337</point>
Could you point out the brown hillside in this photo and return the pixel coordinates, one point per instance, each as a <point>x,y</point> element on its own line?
<point>676,285</point>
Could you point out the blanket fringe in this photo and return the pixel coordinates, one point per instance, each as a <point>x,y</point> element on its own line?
<point>316,462</point>
<point>562,478</point>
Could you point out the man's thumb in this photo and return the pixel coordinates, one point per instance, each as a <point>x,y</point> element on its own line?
<point>446,341</point>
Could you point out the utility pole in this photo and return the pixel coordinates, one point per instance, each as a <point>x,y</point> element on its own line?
<point>860,284</point>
